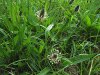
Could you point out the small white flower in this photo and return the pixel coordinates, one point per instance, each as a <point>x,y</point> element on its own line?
<point>54,57</point>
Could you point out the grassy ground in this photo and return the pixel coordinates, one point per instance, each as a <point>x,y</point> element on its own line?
<point>49,37</point>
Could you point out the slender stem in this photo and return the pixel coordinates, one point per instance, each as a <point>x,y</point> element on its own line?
<point>17,62</point>
<point>81,69</point>
<point>91,68</point>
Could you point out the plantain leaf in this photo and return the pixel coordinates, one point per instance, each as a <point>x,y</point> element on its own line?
<point>77,59</point>
<point>44,71</point>
<point>88,20</point>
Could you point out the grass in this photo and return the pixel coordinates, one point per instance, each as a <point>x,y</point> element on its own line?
<point>49,37</point>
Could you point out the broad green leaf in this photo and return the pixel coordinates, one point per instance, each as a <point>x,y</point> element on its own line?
<point>77,59</point>
<point>88,20</point>
<point>81,58</point>
<point>44,71</point>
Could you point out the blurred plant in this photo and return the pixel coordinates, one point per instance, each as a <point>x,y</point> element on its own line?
<point>77,8</point>
<point>71,1</point>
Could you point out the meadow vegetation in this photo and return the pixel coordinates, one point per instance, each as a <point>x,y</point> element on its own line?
<point>49,37</point>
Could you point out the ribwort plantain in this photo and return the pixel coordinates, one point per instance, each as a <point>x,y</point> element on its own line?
<point>42,13</point>
<point>71,1</point>
<point>77,8</point>
<point>55,57</point>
